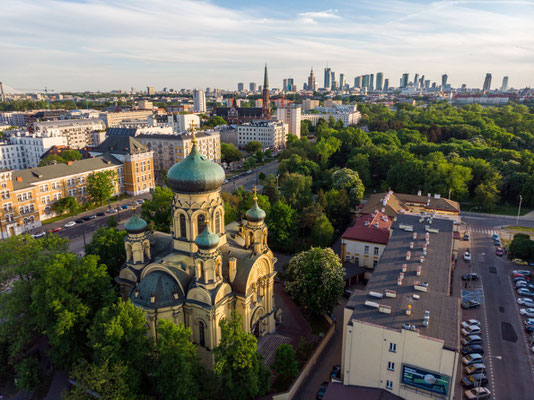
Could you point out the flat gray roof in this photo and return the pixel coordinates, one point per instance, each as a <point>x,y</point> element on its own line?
<point>435,273</point>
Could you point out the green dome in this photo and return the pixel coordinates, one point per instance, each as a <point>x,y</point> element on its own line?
<point>195,174</point>
<point>207,239</point>
<point>255,214</point>
<point>135,225</point>
<point>159,285</point>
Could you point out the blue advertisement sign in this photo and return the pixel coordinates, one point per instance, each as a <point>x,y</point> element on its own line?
<point>420,378</point>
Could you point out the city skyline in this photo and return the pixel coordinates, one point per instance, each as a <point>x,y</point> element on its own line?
<point>89,45</point>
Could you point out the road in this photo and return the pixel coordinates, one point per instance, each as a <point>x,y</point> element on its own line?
<point>249,181</point>
<point>502,328</point>
<point>491,220</point>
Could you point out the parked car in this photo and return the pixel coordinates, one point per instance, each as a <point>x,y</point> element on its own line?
<point>472,359</point>
<point>475,380</point>
<point>100,214</point>
<point>499,251</point>
<point>523,272</point>
<point>92,216</point>
<point>87,218</point>
<point>470,322</point>
<point>471,330</point>
<point>527,312</point>
<point>523,277</point>
<point>520,278</point>
<point>472,349</point>
<point>529,322</point>
<point>466,236</point>
<point>347,293</point>
<point>335,374</point>
<point>525,292</point>
<point>529,328</point>
<point>520,284</point>
<point>478,368</point>
<point>56,229</point>
<point>38,235</point>
<point>471,340</point>
<point>525,301</point>
<point>479,393</point>
<point>495,236</point>
<point>467,256</point>
<point>497,243</point>
<point>470,276</point>
<point>469,304</point>
<point>79,221</point>
<point>124,206</point>
<point>322,391</point>
<point>111,211</point>
<point>70,224</point>
<point>518,261</point>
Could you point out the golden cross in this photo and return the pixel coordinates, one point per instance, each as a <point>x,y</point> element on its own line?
<point>194,140</point>
<point>255,190</point>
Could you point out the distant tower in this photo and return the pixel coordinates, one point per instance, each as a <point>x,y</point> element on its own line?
<point>404,80</point>
<point>444,78</point>
<point>504,86</point>
<point>240,86</point>
<point>358,82</point>
<point>311,81</point>
<point>333,83</point>
<point>379,80</point>
<point>341,81</point>
<point>372,82</point>
<point>327,76</point>
<point>199,101</point>
<point>386,84</point>
<point>266,107</point>
<point>487,83</point>
<point>415,79</point>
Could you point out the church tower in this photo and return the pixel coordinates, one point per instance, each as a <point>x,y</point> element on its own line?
<point>266,107</point>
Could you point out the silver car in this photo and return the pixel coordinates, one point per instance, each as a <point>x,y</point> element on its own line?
<point>527,312</point>
<point>525,301</point>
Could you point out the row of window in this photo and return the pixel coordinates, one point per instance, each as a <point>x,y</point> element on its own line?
<point>366,250</point>
<point>24,196</point>
<point>26,209</point>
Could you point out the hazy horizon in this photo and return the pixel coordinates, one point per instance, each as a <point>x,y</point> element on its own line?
<point>118,44</point>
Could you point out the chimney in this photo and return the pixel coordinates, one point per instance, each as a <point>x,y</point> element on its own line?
<point>409,309</point>
<point>19,178</point>
<point>419,193</point>
<point>232,270</point>
<point>69,162</point>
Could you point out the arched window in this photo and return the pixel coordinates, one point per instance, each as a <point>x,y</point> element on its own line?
<point>217,222</point>
<point>201,334</point>
<point>201,223</point>
<point>183,233</point>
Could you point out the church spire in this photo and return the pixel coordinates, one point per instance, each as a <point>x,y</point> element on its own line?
<point>265,78</point>
<point>266,107</point>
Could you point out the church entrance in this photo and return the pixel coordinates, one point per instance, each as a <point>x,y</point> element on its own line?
<point>255,322</point>
<point>256,330</point>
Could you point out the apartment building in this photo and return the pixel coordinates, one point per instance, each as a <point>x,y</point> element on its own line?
<point>272,135</point>
<point>79,132</point>
<point>310,104</point>
<point>14,118</point>
<point>112,119</point>
<point>290,115</point>
<point>348,118</point>
<point>401,334</point>
<point>179,122</point>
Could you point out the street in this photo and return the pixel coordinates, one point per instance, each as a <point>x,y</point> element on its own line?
<point>502,328</point>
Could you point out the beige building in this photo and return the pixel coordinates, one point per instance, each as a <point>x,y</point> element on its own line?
<point>402,332</point>
<point>272,135</point>
<point>79,132</point>
<point>290,115</point>
<point>112,119</point>
<point>310,104</point>
<point>348,118</point>
<point>203,271</point>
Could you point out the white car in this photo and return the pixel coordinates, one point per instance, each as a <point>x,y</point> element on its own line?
<point>70,224</point>
<point>527,312</point>
<point>525,301</point>
<point>38,235</point>
<point>477,393</point>
<point>470,322</point>
<point>471,330</point>
<point>467,256</point>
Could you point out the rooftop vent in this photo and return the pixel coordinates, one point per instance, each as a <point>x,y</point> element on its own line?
<point>411,245</point>
<point>371,304</point>
<point>416,296</point>
<point>437,196</point>
<point>366,223</point>
<point>376,294</point>
<point>390,293</point>
<point>419,193</point>
<point>420,287</point>
<point>384,309</point>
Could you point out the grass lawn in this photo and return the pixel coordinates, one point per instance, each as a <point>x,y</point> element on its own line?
<point>502,209</point>
<point>519,228</point>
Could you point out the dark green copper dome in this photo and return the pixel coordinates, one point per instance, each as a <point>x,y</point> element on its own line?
<point>135,225</point>
<point>255,214</point>
<point>207,239</point>
<point>195,174</point>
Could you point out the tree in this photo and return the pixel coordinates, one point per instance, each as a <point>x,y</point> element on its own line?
<point>253,146</point>
<point>240,367</point>
<point>316,279</point>
<point>487,196</point>
<point>177,368</point>
<point>109,381</point>
<point>230,153</point>
<point>27,373</point>
<point>285,363</point>
<point>158,210</point>
<point>281,223</point>
<point>214,121</point>
<point>111,222</point>
<point>297,190</point>
<point>101,185</point>
<point>68,204</point>
<point>349,179</point>
<point>108,245</point>
<point>270,189</point>
<point>322,232</point>
<point>119,334</point>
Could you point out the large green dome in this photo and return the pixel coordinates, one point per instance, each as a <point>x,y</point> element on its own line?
<point>195,174</point>
<point>135,225</point>
<point>255,214</point>
<point>207,239</point>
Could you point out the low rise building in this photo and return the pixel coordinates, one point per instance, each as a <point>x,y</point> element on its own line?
<point>14,118</point>
<point>401,333</point>
<point>112,119</point>
<point>310,104</point>
<point>290,115</point>
<point>79,132</point>
<point>347,114</point>
<point>179,122</point>
<point>272,135</point>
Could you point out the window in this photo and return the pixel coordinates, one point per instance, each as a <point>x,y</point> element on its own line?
<point>376,251</point>
<point>182,226</point>
<point>393,347</point>
<point>389,385</point>
<point>391,366</point>
<point>201,334</point>
<point>201,223</point>
<point>374,263</point>
<point>366,251</point>
<point>217,222</point>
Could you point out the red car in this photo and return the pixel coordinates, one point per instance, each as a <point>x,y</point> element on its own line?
<point>525,277</point>
<point>56,229</point>
<point>499,251</point>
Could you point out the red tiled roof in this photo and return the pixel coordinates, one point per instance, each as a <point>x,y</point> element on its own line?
<point>373,228</point>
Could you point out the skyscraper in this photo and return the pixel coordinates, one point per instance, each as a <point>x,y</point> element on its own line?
<point>252,86</point>
<point>266,106</point>
<point>386,84</point>
<point>288,85</point>
<point>199,101</point>
<point>341,81</point>
<point>372,82</point>
<point>311,81</point>
<point>422,82</point>
<point>415,80</point>
<point>444,78</point>
<point>240,86</point>
<point>504,86</point>
<point>379,79</point>
<point>333,83</point>
<point>487,83</point>
<point>365,81</point>
<point>358,82</point>
<point>404,80</point>
<point>327,76</point>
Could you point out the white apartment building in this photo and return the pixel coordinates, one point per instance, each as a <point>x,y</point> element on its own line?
<point>179,122</point>
<point>199,101</point>
<point>14,118</point>
<point>401,333</point>
<point>79,132</point>
<point>339,114</point>
<point>291,116</point>
<point>272,135</point>
<point>112,119</point>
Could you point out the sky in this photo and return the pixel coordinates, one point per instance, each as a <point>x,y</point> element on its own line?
<point>118,44</point>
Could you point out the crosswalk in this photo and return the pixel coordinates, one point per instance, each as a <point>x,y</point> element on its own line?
<point>483,229</point>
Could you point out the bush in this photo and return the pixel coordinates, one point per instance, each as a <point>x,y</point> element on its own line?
<point>27,374</point>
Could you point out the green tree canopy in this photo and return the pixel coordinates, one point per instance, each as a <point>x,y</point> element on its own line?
<point>108,245</point>
<point>253,146</point>
<point>281,222</point>
<point>158,210</point>
<point>230,153</point>
<point>101,186</point>
<point>322,232</point>
<point>68,204</point>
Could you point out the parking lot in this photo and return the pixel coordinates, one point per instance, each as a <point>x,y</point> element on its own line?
<point>506,345</point>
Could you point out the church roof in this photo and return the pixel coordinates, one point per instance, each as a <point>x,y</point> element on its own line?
<point>159,286</point>
<point>135,225</point>
<point>255,214</point>
<point>207,239</point>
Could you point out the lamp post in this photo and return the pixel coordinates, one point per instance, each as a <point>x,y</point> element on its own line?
<point>519,210</point>
<point>486,358</point>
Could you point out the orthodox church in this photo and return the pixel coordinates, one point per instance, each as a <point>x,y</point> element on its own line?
<point>203,270</point>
